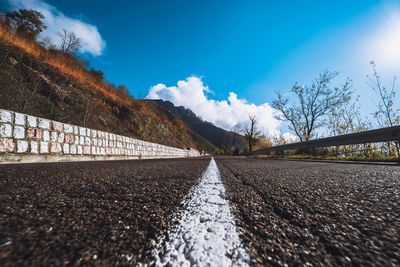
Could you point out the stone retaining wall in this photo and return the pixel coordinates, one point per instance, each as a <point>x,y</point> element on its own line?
<point>23,136</point>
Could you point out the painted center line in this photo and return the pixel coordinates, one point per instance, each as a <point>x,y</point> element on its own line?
<point>206,233</point>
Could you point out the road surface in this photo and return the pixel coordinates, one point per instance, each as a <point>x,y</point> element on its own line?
<point>231,211</point>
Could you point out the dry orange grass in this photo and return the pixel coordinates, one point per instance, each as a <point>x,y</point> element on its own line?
<point>63,63</point>
<point>68,67</point>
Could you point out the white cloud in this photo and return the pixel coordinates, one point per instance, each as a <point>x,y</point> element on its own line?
<point>191,93</point>
<point>55,20</point>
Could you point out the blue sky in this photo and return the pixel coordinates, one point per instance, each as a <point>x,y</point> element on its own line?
<point>250,48</point>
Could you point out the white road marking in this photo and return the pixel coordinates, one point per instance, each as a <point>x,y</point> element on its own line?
<point>206,233</point>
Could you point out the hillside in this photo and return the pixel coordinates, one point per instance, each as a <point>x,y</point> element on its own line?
<point>49,84</point>
<point>216,136</point>
<point>30,85</point>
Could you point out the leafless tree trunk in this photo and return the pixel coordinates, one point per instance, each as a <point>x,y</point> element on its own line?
<point>251,132</point>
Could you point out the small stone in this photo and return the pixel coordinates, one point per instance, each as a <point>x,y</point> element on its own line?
<point>68,128</point>
<point>5,116</point>
<point>54,137</point>
<point>69,138</point>
<point>32,121</point>
<point>19,119</point>
<point>46,136</point>
<point>22,146</point>
<point>72,149</point>
<point>86,150</point>
<point>34,147</point>
<point>5,130</point>
<point>19,132</point>
<point>82,131</point>
<point>44,147</point>
<point>60,138</point>
<point>58,126</point>
<point>55,148</point>
<point>87,141</point>
<point>6,145</point>
<point>44,124</point>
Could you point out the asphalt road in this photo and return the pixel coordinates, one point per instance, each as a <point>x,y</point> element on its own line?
<point>116,212</point>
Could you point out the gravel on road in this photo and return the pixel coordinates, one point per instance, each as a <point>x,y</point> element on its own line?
<point>314,213</point>
<point>92,213</point>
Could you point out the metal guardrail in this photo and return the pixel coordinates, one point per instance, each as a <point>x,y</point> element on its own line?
<point>372,136</point>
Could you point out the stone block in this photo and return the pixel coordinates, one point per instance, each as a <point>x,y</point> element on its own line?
<point>32,133</point>
<point>93,150</point>
<point>19,132</point>
<point>46,136</point>
<point>88,132</point>
<point>34,147</point>
<point>76,130</point>
<point>32,121</point>
<point>94,133</point>
<point>66,148</point>
<point>94,141</point>
<point>79,150</point>
<point>44,124</point>
<point>69,138</point>
<point>82,131</point>
<point>68,128</point>
<point>55,148</point>
<point>54,136</point>
<point>72,149</point>
<point>22,146</point>
<point>6,145</point>
<point>19,119</point>
<point>61,138</point>
<point>100,142</point>
<point>44,147</point>
<point>58,126</point>
<point>81,140</point>
<point>77,139</point>
<point>5,116</point>
<point>6,130</point>
<point>87,141</point>
<point>86,150</point>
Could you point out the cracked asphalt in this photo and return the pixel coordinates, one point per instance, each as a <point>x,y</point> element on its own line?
<point>114,212</point>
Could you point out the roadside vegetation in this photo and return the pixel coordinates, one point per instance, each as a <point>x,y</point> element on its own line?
<point>323,109</point>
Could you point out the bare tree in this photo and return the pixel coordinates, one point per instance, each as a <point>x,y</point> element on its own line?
<point>47,43</point>
<point>312,103</point>
<point>346,118</point>
<point>251,132</point>
<point>387,114</point>
<point>70,43</point>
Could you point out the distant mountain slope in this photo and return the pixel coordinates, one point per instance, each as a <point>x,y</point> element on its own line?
<point>216,136</point>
